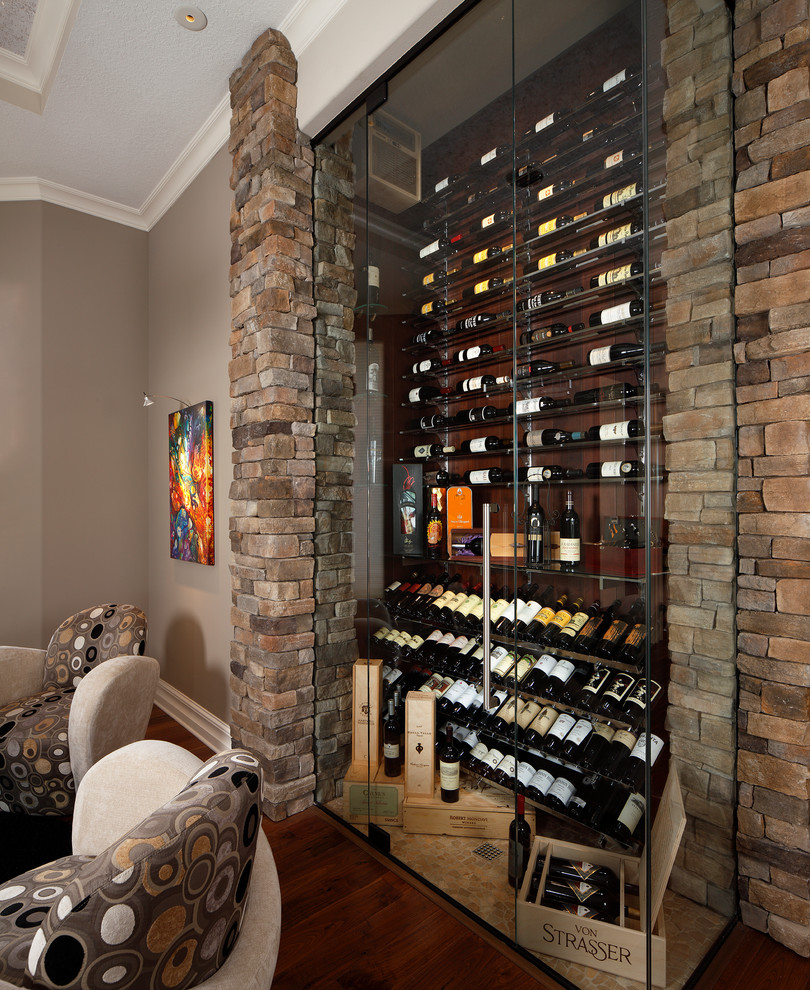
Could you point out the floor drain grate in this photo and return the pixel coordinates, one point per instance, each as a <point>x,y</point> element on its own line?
<point>488,851</point>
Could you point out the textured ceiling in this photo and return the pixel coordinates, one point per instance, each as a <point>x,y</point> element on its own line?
<point>130,93</point>
<point>16,18</point>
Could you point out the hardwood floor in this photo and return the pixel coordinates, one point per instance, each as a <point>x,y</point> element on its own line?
<point>349,922</point>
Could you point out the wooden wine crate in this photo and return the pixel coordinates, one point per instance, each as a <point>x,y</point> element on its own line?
<point>372,796</point>
<point>617,949</point>
<point>367,694</point>
<point>420,743</point>
<point>476,815</point>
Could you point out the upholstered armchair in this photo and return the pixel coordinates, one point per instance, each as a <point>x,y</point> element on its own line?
<point>171,883</point>
<point>63,708</point>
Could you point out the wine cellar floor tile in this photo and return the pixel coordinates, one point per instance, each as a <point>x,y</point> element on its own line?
<point>451,865</point>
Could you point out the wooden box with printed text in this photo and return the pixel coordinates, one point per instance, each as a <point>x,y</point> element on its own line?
<point>370,796</point>
<point>619,949</point>
<point>475,814</point>
<point>367,695</point>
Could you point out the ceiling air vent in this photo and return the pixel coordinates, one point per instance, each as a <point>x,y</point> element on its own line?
<point>394,163</point>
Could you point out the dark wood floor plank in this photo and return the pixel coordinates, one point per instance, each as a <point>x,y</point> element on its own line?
<point>351,923</point>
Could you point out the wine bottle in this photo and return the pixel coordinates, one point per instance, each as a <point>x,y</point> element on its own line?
<point>519,844</point>
<point>485,254</point>
<point>451,697</point>
<point>632,649</point>
<point>476,383</point>
<point>578,871</point>
<point>473,547</point>
<point>538,624</point>
<point>475,321</point>
<point>471,353</point>
<point>532,368</point>
<point>619,274</point>
<point>545,333</point>
<point>598,745</point>
<point>440,277</point>
<point>623,430</point>
<point>555,223</point>
<point>427,365</point>
<point>518,674</point>
<point>620,747</point>
<point>449,759</point>
<point>623,75</point>
<point>556,472</point>
<point>558,622</point>
<point>527,714</point>
<point>628,822</point>
<point>610,702</point>
<point>551,118</point>
<point>631,770</point>
<point>550,260</point>
<point>570,540</point>
<point>601,904</point>
<point>478,414</point>
<point>535,521</point>
<point>613,469</point>
<point>493,153</point>
<point>547,296</point>
<point>525,407</point>
<point>607,393</point>
<point>538,785</point>
<point>504,624</point>
<point>438,307</point>
<point>446,182</point>
<point>391,748</point>
<point>634,706</point>
<point>488,476</point>
<point>593,686</point>
<point>594,629</point>
<point>538,678</point>
<point>524,175</point>
<point>485,285</point>
<point>433,421</point>
<point>502,721</point>
<point>425,451</point>
<point>425,337</point>
<point>476,445</point>
<point>561,791</point>
<point>441,244</point>
<point>615,235</point>
<point>496,218</point>
<point>614,352</point>
<point>434,527</point>
<point>506,662</point>
<point>576,740</point>
<point>618,196</point>
<point>556,734</point>
<point>613,637</point>
<point>613,314</point>
<point>557,679</point>
<point>537,731</point>
<point>545,438</point>
<point>427,393</point>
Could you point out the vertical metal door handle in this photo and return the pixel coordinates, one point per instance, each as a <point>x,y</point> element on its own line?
<point>489,701</point>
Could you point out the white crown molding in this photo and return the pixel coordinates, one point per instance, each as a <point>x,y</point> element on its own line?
<point>26,82</point>
<point>193,717</point>
<point>31,188</point>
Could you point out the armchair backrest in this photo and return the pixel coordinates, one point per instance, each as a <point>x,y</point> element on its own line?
<point>166,900</point>
<point>88,638</point>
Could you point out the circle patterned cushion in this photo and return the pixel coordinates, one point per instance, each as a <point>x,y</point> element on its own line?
<point>162,907</point>
<point>88,638</point>
<point>24,903</point>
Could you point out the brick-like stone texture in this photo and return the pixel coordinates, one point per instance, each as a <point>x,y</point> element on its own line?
<point>335,297</point>
<point>700,434</point>
<point>272,370</point>
<point>772,216</point>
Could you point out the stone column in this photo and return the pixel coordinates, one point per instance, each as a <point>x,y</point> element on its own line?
<point>699,426</point>
<point>772,213</point>
<point>271,373</point>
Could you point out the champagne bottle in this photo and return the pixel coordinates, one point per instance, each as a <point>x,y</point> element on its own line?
<point>435,529</point>
<point>614,352</point>
<point>449,759</point>
<point>570,540</point>
<point>535,520</point>
<point>519,844</point>
<point>391,742</point>
<point>613,314</point>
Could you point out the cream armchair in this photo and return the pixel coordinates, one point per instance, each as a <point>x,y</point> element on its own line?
<point>171,881</point>
<point>64,708</point>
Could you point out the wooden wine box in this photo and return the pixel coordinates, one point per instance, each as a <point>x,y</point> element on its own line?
<point>372,796</point>
<point>475,815</point>
<point>420,743</point>
<point>619,949</point>
<point>367,695</point>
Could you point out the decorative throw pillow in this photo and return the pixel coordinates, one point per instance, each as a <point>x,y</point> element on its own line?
<point>163,906</point>
<point>89,637</point>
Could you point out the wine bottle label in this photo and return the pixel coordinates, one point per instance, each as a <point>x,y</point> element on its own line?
<point>443,599</point>
<point>620,195</point>
<point>562,671</point>
<point>534,474</point>
<point>563,790</point>
<point>422,367</point>
<point>470,354</point>
<point>416,642</point>
<point>479,751</point>
<point>562,726</point>
<point>561,618</point>
<point>600,355</point>
<point>614,80</point>
<point>480,256</point>
<point>497,608</point>
<point>448,775</point>
<point>429,248</point>
<point>423,450</point>
<point>596,681</point>
<point>436,591</point>
<point>639,751</point>
<point>615,313</point>
<point>570,550</point>
<point>617,234</point>
<point>638,696</point>
<point>489,156</point>
<point>612,469</point>
<point>573,626</point>
<point>615,632</point>
<point>455,691</point>
<point>504,665</point>
<point>391,750</point>
<point>620,687</point>
<point>524,773</point>
<point>478,445</point>
<point>473,384</point>
<point>547,262</point>
<point>431,684</point>
<point>544,123</point>
<point>507,765</point>
<point>527,613</point>
<point>459,642</point>
<point>442,184</point>
<point>527,713</point>
<point>477,611</point>
<point>632,813</point>
<point>541,781</point>
<point>455,601</point>
<point>614,275</point>
<point>481,286</point>
<point>523,406</point>
<point>497,655</point>
<point>382,632</point>
<point>625,738</point>
<point>546,663</point>
<point>493,757</point>
<point>479,477</point>
<point>468,696</point>
<point>489,221</point>
<point>615,431</point>
<point>604,731</point>
<point>547,227</point>
<point>434,532</point>
<point>544,616</point>
<point>546,192</point>
<point>615,159</point>
<point>414,394</point>
<point>580,732</point>
<point>466,607</point>
<point>447,639</point>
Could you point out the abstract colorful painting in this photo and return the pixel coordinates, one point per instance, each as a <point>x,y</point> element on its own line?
<point>191,483</point>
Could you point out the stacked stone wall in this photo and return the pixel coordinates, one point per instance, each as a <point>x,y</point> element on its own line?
<point>699,426</point>
<point>772,213</point>
<point>271,373</point>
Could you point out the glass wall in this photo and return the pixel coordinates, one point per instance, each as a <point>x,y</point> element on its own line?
<point>509,743</point>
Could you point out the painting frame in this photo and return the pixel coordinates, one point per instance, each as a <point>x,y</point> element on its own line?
<point>191,483</point>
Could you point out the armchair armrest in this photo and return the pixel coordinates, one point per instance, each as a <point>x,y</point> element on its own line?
<point>124,787</point>
<point>21,671</point>
<point>111,708</point>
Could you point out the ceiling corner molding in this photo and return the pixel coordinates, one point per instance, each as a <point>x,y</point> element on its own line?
<point>306,21</point>
<point>26,82</point>
<point>31,188</point>
<point>213,134</point>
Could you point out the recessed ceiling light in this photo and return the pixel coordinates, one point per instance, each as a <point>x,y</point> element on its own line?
<point>191,18</point>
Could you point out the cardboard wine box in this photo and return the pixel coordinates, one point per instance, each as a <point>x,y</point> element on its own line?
<point>619,949</point>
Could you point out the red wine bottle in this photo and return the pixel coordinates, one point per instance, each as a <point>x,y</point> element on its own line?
<point>449,760</point>
<point>519,845</point>
<point>570,538</point>
<point>391,743</point>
